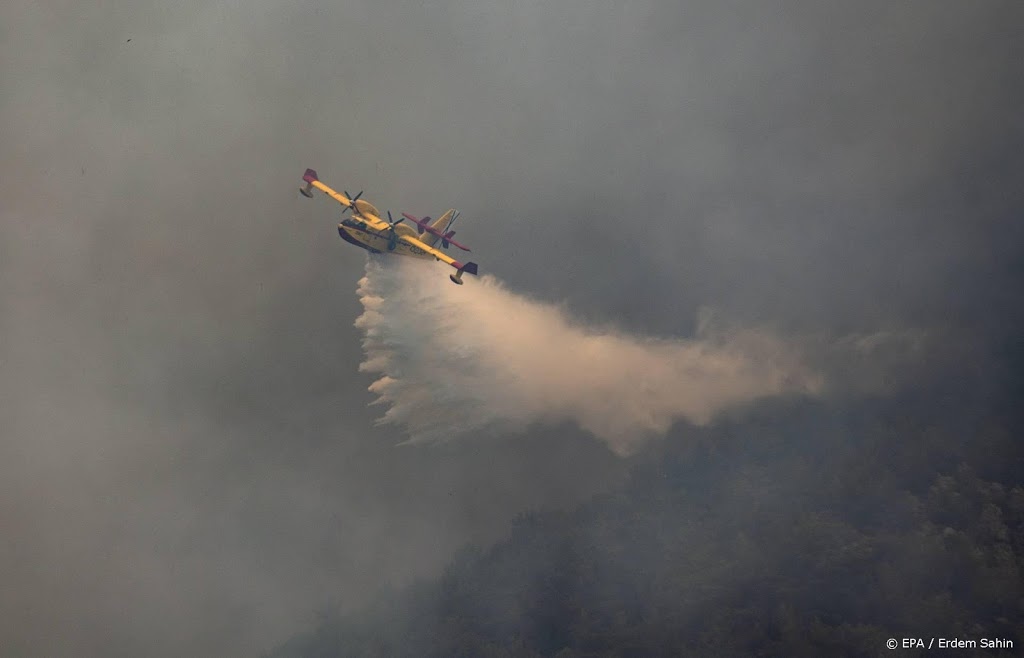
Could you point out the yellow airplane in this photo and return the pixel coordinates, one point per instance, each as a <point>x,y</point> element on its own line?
<point>367,230</point>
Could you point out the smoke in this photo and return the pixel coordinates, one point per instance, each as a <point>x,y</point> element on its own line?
<point>456,360</point>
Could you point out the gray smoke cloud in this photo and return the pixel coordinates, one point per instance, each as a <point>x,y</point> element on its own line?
<point>455,360</point>
<point>188,465</point>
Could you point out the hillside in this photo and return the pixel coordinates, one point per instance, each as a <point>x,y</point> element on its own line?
<point>795,528</point>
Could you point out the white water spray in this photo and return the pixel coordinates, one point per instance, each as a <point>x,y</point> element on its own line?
<point>453,360</point>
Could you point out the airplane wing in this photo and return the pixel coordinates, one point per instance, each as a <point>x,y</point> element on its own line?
<point>441,256</point>
<point>362,210</point>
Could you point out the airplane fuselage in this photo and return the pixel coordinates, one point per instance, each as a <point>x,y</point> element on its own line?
<point>361,235</point>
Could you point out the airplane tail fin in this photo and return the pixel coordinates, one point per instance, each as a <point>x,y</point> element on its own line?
<point>441,222</point>
<point>438,225</point>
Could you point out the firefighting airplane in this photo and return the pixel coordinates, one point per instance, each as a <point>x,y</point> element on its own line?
<point>367,230</point>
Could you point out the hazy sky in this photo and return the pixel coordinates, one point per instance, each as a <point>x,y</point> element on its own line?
<point>187,462</point>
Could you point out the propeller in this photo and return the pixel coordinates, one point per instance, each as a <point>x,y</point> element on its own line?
<point>392,235</point>
<point>352,200</point>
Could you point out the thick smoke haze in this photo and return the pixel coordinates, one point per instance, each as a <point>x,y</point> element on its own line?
<point>189,463</point>
<point>457,360</point>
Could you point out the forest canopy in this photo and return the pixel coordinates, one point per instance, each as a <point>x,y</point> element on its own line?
<point>797,528</point>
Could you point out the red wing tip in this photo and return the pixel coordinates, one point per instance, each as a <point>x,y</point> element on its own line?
<point>310,176</point>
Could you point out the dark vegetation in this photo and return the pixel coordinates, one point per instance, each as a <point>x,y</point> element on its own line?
<point>796,528</point>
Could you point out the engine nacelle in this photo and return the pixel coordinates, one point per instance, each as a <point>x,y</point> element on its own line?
<point>402,229</point>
